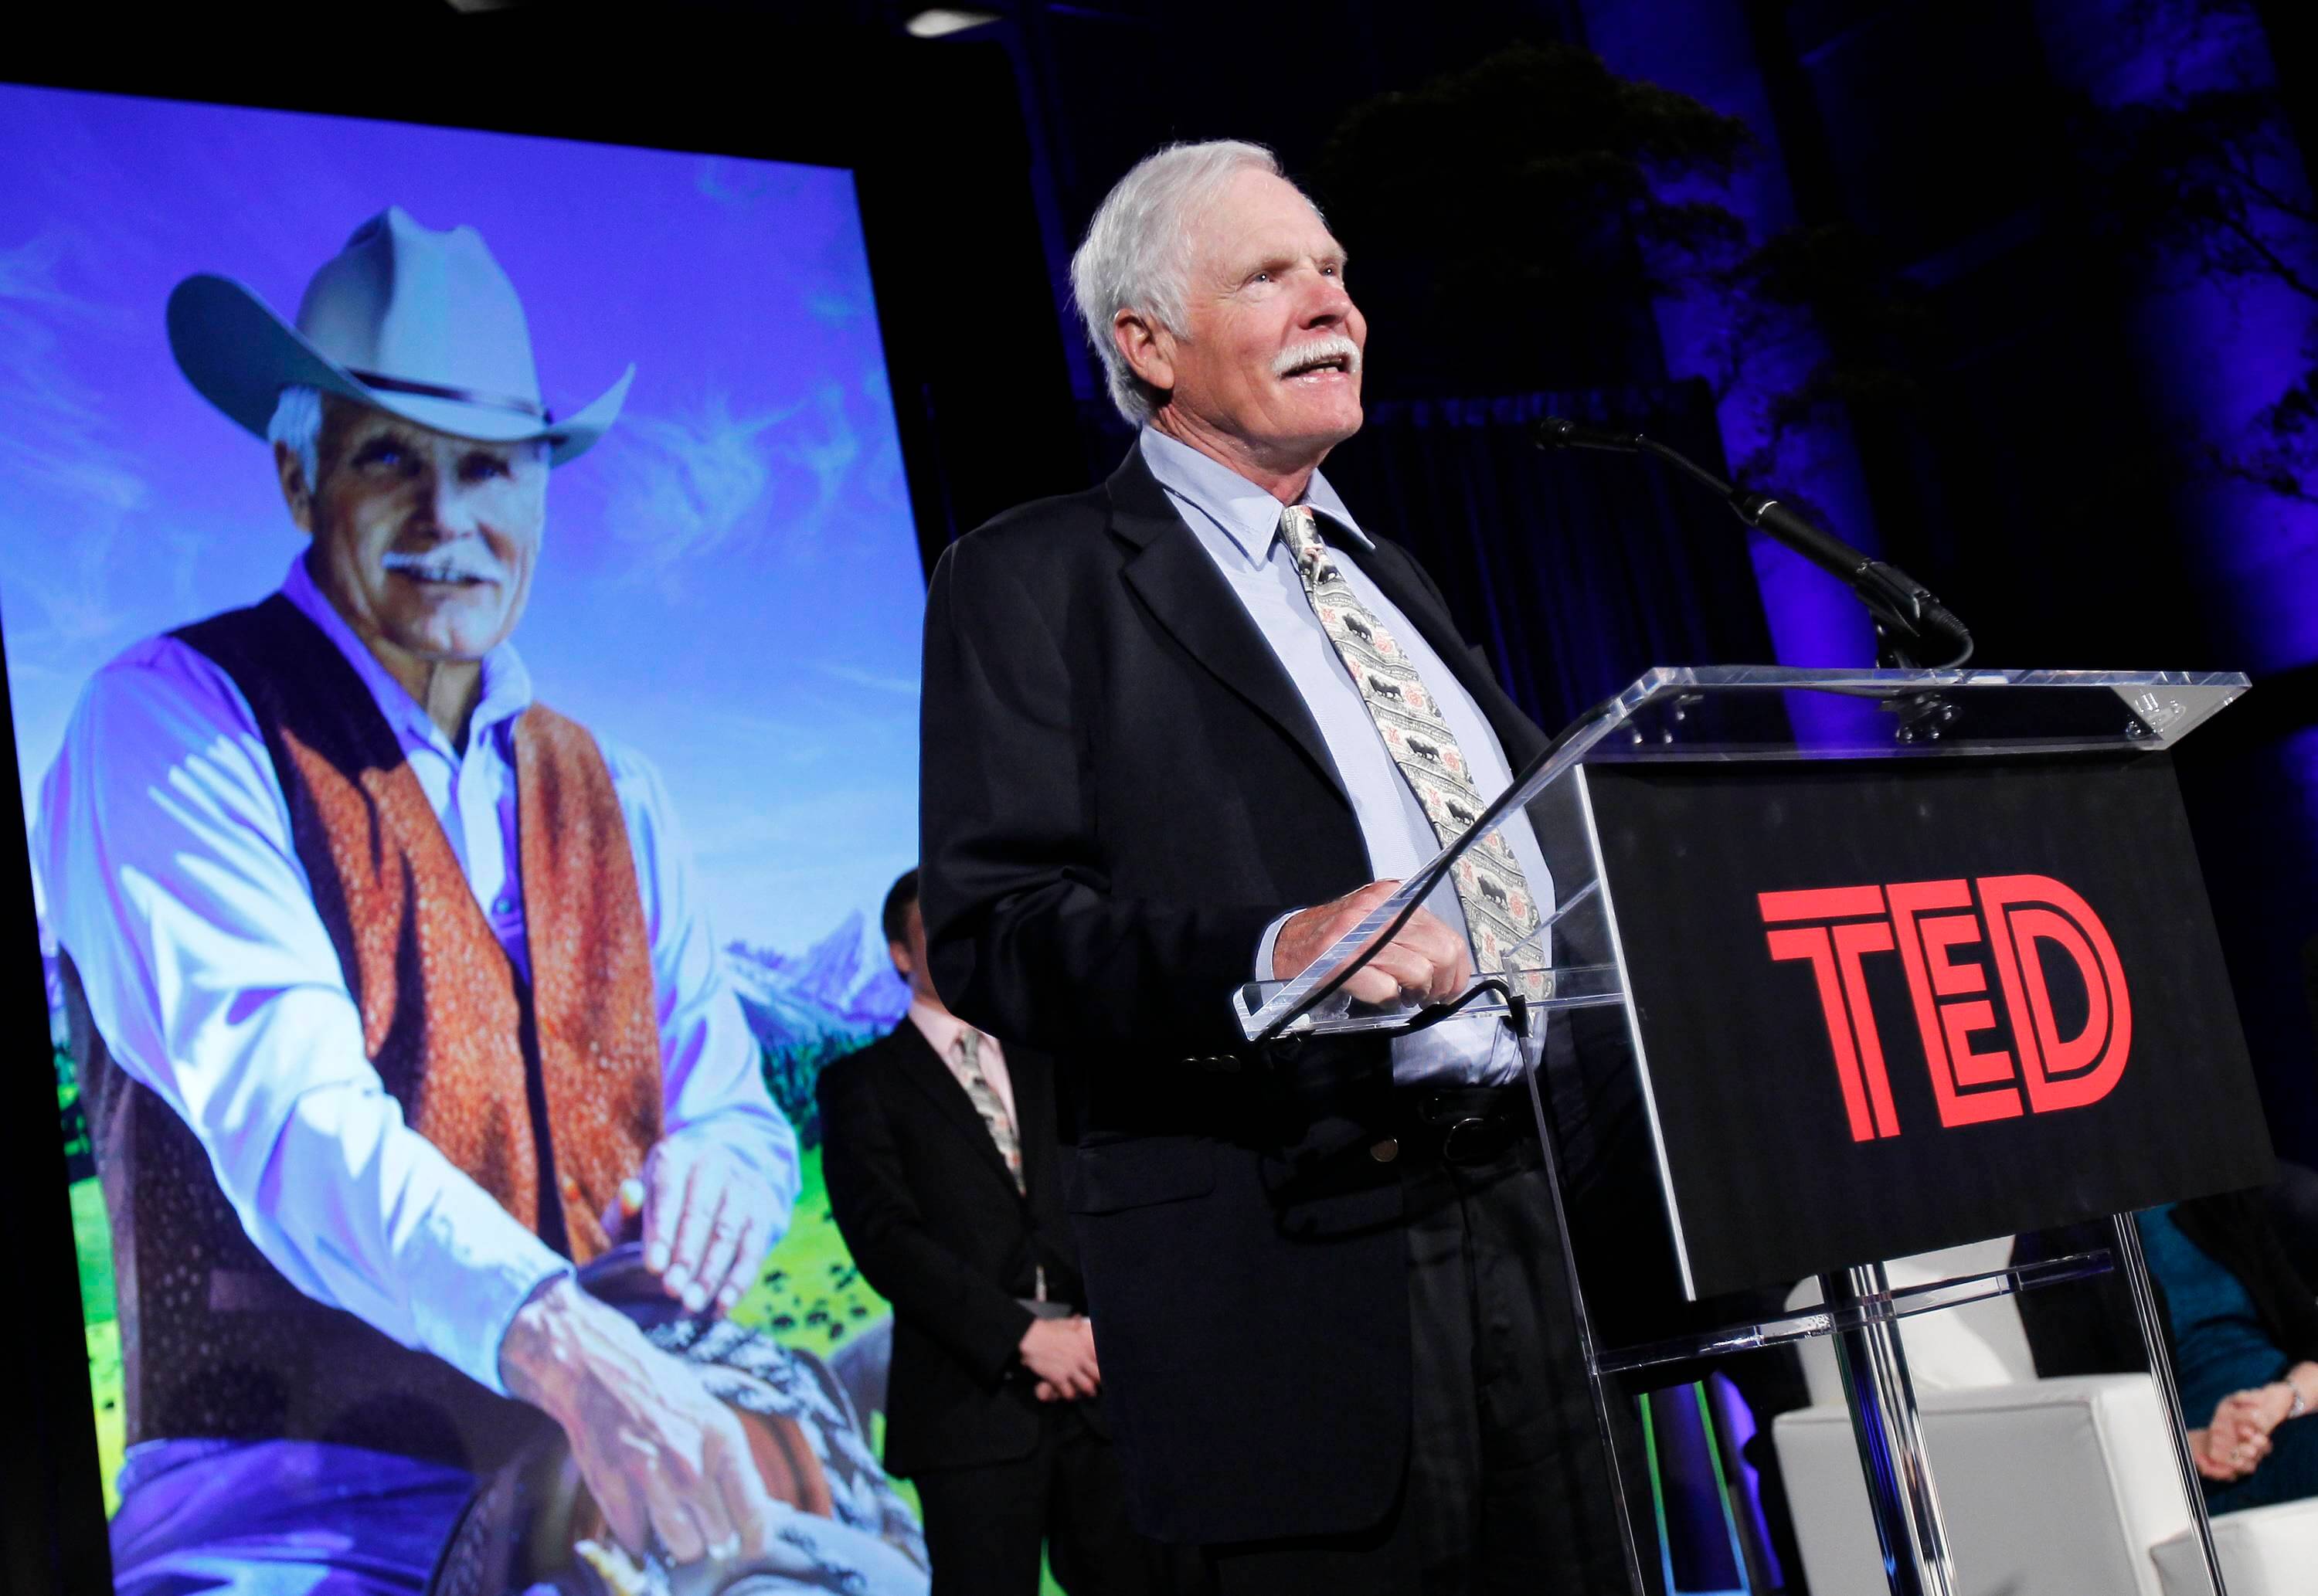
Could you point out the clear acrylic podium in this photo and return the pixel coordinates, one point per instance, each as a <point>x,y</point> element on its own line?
<point>1793,916</point>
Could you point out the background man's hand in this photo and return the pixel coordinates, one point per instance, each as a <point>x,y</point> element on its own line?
<point>1061,1353</point>
<point>1427,960</point>
<point>708,1221</point>
<point>658,1451</point>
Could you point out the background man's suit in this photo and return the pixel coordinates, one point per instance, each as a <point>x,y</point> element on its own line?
<point>932,1214</point>
<point>1123,789</point>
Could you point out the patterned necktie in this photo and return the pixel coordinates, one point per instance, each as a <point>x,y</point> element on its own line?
<point>965,1064</point>
<point>1500,914</point>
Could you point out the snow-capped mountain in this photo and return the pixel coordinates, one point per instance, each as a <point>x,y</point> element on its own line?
<point>842,989</point>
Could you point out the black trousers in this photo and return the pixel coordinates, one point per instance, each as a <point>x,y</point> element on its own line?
<point>1508,1487</point>
<point>985,1525</point>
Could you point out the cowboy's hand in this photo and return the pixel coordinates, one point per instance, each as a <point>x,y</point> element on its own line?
<point>659,1453</point>
<point>1427,960</point>
<point>1061,1353</point>
<point>708,1221</point>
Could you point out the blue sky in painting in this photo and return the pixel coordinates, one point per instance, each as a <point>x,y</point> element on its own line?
<point>731,582</point>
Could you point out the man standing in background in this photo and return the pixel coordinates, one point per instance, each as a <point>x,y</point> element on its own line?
<point>938,1144</point>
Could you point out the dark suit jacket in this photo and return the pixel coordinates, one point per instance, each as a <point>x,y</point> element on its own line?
<point>1122,789</point>
<point>931,1214</point>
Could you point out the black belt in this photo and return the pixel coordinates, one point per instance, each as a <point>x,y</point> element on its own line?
<point>1457,1125</point>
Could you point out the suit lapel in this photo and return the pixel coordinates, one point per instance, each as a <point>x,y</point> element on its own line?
<point>1179,583</point>
<point>925,1069</point>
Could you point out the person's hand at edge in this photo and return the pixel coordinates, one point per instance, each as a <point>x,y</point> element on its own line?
<point>2290,1397</point>
<point>2236,1439</point>
<point>2208,1465</point>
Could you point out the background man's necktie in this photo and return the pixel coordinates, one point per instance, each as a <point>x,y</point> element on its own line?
<point>1500,913</point>
<point>965,1064</point>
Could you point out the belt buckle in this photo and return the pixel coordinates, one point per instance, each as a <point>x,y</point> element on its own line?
<point>1474,1139</point>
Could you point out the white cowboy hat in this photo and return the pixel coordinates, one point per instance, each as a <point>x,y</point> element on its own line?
<point>419,323</point>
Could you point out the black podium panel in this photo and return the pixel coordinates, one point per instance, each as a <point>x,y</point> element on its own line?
<point>1885,1005</point>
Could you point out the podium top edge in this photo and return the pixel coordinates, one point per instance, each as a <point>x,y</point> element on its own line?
<point>1660,677</point>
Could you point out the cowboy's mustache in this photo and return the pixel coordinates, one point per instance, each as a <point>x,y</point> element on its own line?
<point>452,563</point>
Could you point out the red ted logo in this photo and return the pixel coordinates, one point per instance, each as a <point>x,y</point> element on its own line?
<point>1926,923</point>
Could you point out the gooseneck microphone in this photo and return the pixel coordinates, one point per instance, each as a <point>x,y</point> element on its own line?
<point>1908,618</point>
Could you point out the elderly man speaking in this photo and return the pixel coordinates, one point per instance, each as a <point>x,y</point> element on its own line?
<point>401,997</point>
<point>1182,732</point>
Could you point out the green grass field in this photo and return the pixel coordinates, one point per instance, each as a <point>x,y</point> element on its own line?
<point>810,1296</point>
<point>93,1242</point>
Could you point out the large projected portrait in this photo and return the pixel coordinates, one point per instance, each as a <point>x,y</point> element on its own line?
<point>460,607</point>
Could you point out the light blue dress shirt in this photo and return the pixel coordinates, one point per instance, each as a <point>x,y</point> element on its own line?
<point>1237,522</point>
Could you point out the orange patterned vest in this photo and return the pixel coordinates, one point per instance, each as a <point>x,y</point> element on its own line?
<point>547,1093</point>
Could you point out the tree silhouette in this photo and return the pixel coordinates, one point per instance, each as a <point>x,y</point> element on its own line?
<point>2201,181</point>
<point>1508,222</point>
<point>1511,222</point>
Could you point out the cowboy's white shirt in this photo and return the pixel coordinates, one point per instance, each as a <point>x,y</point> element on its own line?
<point>163,844</point>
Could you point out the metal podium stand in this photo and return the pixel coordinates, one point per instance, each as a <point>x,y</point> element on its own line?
<point>1768,887</point>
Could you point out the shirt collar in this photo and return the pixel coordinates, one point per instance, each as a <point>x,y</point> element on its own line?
<point>939,1027</point>
<point>507,683</point>
<point>1247,515</point>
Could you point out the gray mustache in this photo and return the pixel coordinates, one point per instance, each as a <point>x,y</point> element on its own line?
<point>453,563</point>
<point>1328,347</point>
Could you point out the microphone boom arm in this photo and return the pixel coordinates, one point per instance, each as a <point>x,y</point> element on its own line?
<point>1906,613</point>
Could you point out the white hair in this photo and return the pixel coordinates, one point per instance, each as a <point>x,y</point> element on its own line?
<point>297,427</point>
<point>1136,255</point>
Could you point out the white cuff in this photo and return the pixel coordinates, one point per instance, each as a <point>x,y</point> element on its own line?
<point>1265,944</point>
<point>472,1300</point>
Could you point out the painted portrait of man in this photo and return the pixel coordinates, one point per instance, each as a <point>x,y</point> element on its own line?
<point>397,1019</point>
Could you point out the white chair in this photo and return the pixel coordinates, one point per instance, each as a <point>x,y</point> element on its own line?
<point>2266,1551</point>
<point>2049,1487</point>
